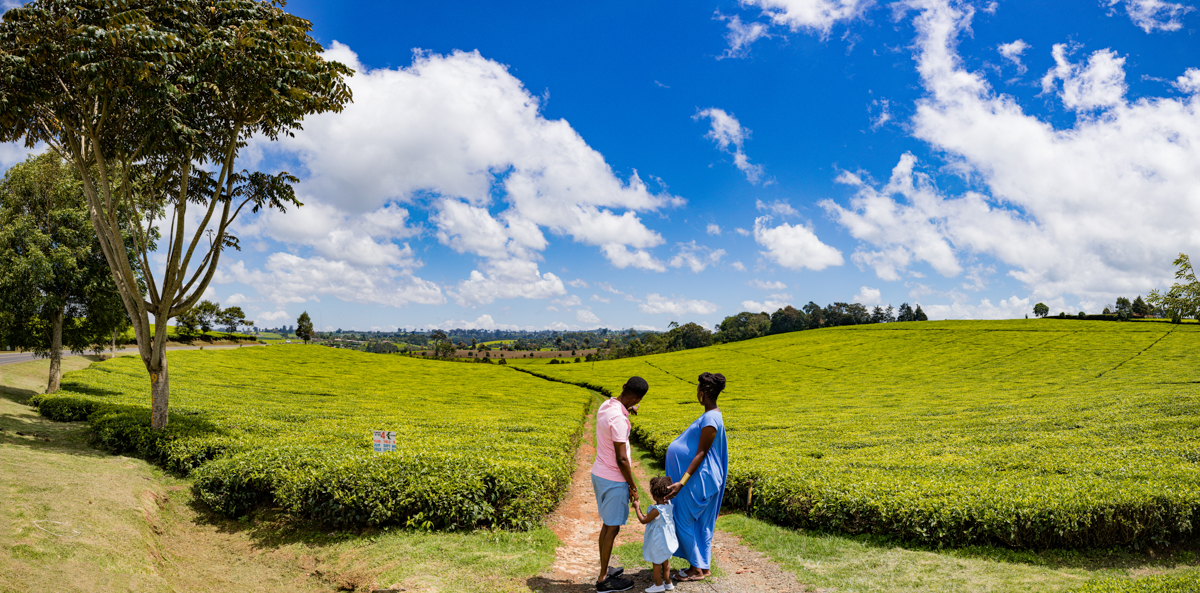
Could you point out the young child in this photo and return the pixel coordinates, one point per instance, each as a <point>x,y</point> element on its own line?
<point>660,542</point>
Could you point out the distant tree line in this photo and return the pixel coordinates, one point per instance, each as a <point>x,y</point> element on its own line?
<point>747,325</point>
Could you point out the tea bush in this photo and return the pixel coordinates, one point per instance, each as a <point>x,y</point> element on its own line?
<point>290,427</point>
<point>1028,434</point>
<point>1187,582</point>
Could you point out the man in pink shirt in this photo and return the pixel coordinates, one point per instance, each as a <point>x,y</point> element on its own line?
<point>612,475</point>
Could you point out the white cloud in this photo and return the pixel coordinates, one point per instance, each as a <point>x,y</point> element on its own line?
<point>1010,308</point>
<point>1058,210</point>
<point>507,279</point>
<point>12,153</point>
<point>814,15</point>
<point>780,208</point>
<point>289,278</point>
<point>741,231</point>
<point>271,317</point>
<point>794,247</point>
<point>883,106</point>
<point>1012,52</point>
<point>868,296</point>
<point>739,266</point>
<point>585,316</point>
<point>902,234</point>
<point>569,301</point>
<point>657,304</point>
<point>578,283</point>
<point>464,129</point>
<point>730,137</point>
<point>236,299</point>
<point>607,287</point>
<point>483,322</point>
<point>767,285</point>
<point>1154,14</point>
<point>714,229</point>
<point>741,35</point>
<point>1099,84</point>
<point>601,299</point>
<point>622,257</point>
<point>695,257</point>
<point>978,275</point>
<point>1189,82</point>
<point>764,306</point>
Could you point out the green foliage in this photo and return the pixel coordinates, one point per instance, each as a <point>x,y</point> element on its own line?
<point>1183,298</point>
<point>1041,310</point>
<point>52,271</point>
<point>290,427</point>
<point>1187,582</point>
<point>150,101</point>
<point>1139,307</point>
<point>684,337</point>
<point>950,433</point>
<point>304,327</point>
<point>788,319</point>
<point>743,326</point>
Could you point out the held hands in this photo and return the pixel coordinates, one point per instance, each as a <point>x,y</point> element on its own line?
<point>633,493</point>
<point>673,490</point>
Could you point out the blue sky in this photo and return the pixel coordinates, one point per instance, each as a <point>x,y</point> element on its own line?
<point>628,164</point>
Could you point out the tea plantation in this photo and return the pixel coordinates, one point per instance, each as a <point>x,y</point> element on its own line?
<point>1025,433</point>
<point>290,427</point>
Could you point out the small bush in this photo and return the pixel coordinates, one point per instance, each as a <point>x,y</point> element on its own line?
<point>1188,582</point>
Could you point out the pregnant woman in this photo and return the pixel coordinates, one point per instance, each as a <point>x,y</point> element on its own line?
<point>698,462</point>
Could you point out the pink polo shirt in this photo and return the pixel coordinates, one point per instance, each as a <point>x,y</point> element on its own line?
<point>612,426</point>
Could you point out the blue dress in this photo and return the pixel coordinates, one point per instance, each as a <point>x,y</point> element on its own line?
<point>659,541</point>
<point>699,503</point>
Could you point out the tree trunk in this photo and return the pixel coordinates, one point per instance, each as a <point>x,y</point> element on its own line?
<point>56,321</point>
<point>159,392</point>
<point>114,346</point>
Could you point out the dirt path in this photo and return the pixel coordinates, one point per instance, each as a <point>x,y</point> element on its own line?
<point>578,528</point>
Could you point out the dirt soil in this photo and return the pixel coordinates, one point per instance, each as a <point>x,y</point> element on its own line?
<point>578,559</point>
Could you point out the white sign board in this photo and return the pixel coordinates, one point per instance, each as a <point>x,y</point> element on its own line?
<point>384,441</point>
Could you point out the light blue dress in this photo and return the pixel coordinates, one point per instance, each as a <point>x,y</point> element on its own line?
<point>660,541</point>
<point>699,503</point>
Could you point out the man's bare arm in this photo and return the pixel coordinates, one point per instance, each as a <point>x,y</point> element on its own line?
<point>626,467</point>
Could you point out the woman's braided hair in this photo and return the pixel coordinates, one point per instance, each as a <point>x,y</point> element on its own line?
<point>712,384</point>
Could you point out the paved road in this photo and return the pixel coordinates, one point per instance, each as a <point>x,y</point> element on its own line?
<point>15,357</point>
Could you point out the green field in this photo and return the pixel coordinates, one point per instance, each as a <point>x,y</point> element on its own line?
<point>290,428</point>
<point>1027,434</point>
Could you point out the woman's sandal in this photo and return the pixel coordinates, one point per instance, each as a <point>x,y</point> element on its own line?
<point>683,577</point>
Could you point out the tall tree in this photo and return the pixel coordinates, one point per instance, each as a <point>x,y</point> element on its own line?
<point>788,319</point>
<point>304,327</point>
<point>1140,308</point>
<point>163,93</point>
<point>230,318</point>
<point>919,315</point>
<point>1183,298</point>
<point>54,282</point>
<point>905,313</point>
<point>1041,310</point>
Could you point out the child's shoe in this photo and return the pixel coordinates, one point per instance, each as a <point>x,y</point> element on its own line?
<point>668,586</point>
<point>656,589</point>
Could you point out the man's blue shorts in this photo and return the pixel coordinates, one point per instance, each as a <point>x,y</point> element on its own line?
<point>612,499</point>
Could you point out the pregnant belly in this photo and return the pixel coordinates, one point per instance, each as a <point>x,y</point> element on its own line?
<point>678,458</point>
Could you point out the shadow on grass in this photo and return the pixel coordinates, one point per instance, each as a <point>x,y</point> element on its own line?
<point>84,389</point>
<point>275,528</point>
<point>14,394</point>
